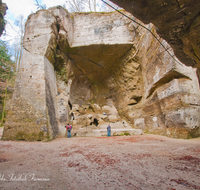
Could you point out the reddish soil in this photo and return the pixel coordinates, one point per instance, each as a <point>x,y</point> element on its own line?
<point>145,162</point>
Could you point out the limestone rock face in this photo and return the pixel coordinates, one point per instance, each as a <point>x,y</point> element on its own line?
<point>176,21</point>
<point>91,74</point>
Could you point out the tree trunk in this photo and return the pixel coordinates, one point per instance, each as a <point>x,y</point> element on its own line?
<point>95,6</point>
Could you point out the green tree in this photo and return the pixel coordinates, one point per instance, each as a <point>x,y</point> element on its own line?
<point>7,66</point>
<point>7,75</point>
<point>3,8</point>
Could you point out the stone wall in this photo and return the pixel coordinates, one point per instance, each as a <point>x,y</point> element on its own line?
<point>27,118</point>
<point>101,28</point>
<point>170,102</point>
<point>32,115</point>
<point>178,22</point>
<point>90,74</point>
<point>63,108</point>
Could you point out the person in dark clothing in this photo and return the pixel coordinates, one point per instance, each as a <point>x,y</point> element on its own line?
<point>108,131</point>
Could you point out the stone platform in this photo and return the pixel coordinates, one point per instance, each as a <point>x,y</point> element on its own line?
<point>103,132</point>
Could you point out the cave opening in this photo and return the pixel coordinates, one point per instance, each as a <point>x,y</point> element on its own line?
<point>70,105</point>
<point>95,122</point>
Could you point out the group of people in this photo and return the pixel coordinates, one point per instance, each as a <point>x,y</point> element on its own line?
<point>69,128</point>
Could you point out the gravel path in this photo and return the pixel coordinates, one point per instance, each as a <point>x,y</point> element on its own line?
<point>146,162</point>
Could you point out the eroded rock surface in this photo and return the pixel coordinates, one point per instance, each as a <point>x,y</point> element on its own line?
<point>176,21</point>
<point>89,74</point>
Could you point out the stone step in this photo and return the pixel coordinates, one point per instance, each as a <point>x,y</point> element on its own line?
<point>117,125</point>
<point>103,132</point>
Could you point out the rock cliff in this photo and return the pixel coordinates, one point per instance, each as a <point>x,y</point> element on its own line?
<point>91,69</point>
<point>176,21</point>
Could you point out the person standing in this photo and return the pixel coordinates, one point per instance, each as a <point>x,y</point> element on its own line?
<point>68,128</point>
<point>108,131</point>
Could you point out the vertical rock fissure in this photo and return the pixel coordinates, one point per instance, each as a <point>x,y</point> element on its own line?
<point>51,111</point>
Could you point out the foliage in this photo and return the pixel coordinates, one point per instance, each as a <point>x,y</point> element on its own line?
<point>7,73</point>
<point>62,73</point>
<point>3,9</point>
<point>2,22</point>
<point>7,66</point>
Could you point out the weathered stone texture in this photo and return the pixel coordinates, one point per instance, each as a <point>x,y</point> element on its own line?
<point>27,118</point>
<point>89,74</point>
<point>169,86</point>
<point>63,103</point>
<point>51,92</point>
<point>176,21</point>
<point>102,28</point>
<point>39,28</point>
<point>65,23</point>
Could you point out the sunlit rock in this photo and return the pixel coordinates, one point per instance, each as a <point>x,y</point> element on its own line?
<point>91,74</point>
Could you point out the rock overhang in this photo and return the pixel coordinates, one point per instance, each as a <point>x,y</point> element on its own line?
<point>85,38</point>
<point>96,61</point>
<point>176,21</point>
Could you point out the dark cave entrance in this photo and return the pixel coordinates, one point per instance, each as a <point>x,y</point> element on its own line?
<point>95,122</point>
<point>70,105</point>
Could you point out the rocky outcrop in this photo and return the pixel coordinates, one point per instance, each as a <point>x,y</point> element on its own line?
<point>89,74</point>
<point>3,8</point>
<point>176,21</point>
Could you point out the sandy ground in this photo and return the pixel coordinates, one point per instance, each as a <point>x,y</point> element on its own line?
<point>105,163</point>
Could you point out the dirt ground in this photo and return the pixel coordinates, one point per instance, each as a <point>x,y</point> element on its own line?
<point>105,163</point>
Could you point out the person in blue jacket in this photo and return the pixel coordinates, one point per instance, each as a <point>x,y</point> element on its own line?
<point>108,131</point>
